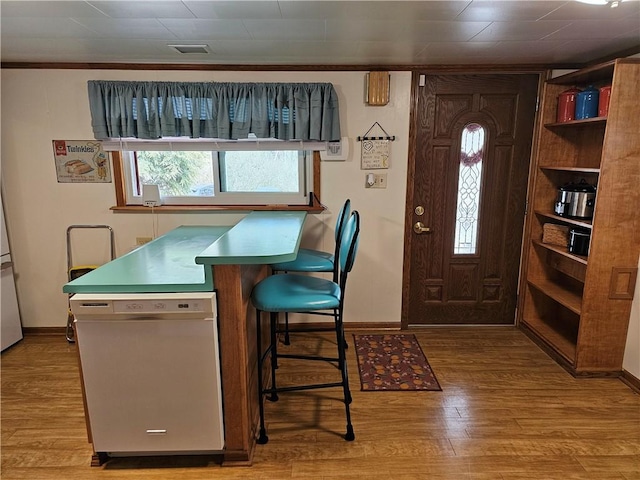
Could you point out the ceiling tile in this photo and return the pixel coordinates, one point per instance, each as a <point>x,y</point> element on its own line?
<point>508,11</point>
<point>419,31</point>
<point>286,29</point>
<point>195,29</point>
<point>41,27</point>
<point>504,31</point>
<point>460,49</point>
<point>595,29</point>
<point>267,9</point>
<point>374,10</point>
<point>48,9</point>
<point>286,52</point>
<point>393,50</point>
<point>126,27</point>
<point>586,50</point>
<point>143,9</point>
<point>582,11</point>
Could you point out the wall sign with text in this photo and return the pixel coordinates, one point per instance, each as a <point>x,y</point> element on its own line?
<point>81,161</point>
<point>375,154</point>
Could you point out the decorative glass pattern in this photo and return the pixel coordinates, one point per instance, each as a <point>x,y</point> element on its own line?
<point>469,181</point>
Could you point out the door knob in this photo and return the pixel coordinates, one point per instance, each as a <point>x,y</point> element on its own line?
<point>420,228</point>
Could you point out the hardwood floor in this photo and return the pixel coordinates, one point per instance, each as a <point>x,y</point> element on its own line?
<point>506,412</point>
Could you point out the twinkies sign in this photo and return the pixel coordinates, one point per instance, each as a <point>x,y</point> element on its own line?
<point>79,161</point>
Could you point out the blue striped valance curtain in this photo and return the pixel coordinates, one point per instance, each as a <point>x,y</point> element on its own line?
<point>152,110</point>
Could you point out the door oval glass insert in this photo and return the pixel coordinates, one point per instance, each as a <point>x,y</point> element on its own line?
<point>469,182</point>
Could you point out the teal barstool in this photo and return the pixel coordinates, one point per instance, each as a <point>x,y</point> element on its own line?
<point>316,261</point>
<point>289,292</point>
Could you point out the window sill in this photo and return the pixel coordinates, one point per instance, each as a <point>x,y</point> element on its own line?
<point>316,208</point>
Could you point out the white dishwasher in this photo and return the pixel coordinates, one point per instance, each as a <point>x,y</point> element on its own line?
<point>151,372</point>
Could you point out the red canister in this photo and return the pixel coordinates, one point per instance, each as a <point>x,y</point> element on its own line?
<point>603,101</point>
<point>567,105</point>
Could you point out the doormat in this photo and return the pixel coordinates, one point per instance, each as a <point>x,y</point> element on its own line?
<point>393,362</point>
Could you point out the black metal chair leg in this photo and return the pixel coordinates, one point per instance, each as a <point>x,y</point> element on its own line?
<point>273,325</point>
<point>287,340</point>
<point>262,438</point>
<point>349,435</point>
<point>339,338</point>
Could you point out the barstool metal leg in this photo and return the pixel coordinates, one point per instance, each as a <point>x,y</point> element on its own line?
<point>349,436</point>
<point>287,340</point>
<point>262,438</point>
<point>273,325</point>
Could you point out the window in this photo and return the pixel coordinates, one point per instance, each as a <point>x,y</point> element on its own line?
<point>233,177</point>
<point>469,182</point>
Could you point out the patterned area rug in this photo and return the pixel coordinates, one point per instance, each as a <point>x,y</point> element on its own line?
<point>393,362</point>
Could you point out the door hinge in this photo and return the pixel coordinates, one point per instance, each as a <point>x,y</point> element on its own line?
<point>422,81</point>
<point>537,103</point>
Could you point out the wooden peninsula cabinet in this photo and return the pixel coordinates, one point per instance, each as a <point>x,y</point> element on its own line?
<point>577,307</point>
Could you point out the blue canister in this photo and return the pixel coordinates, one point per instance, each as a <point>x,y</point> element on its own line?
<point>587,103</point>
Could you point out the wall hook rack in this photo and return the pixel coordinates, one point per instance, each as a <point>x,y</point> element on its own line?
<point>387,137</point>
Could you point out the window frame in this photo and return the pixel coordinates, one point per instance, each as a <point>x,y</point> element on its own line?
<point>119,178</point>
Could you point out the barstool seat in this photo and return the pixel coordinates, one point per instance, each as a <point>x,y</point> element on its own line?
<point>295,293</point>
<point>308,260</point>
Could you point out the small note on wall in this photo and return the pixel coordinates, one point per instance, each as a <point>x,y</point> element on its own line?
<point>375,154</point>
<point>81,161</point>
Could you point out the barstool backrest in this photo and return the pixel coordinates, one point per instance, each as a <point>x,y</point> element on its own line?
<point>343,216</point>
<point>349,243</point>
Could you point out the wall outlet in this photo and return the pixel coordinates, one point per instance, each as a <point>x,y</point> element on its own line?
<point>376,180</point>
<point>143,240</point>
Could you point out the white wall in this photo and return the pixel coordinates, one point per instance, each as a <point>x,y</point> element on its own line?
<point>39,106</point>
<point>631,361</point>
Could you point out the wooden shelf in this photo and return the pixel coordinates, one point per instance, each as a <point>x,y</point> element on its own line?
<point>596,73</point>
<point>561,295</point>
<point>580,223</point>
<point>562,251</point>
<point>562,341</point>
<point>578,123</point>
<point>572,169</point>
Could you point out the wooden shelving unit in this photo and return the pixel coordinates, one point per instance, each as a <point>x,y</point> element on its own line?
<point>564,220</point>
<point>562,251</point>
<point>557,293</point>
<point>577,307</point>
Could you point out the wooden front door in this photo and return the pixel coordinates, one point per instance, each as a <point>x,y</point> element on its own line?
<point>468,169</point>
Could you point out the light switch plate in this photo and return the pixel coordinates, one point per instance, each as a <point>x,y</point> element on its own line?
<point>375,180</point>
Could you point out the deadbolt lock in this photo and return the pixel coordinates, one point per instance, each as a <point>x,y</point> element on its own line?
<point>419,210</point>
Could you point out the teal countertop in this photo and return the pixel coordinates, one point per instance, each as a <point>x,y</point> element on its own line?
<point>179,260</point>
<point>259,238</point>
<point>165,264</point>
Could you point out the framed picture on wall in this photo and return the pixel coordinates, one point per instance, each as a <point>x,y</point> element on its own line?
<point>81,161</point>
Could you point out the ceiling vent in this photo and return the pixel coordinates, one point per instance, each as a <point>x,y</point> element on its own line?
<point>190,48</point>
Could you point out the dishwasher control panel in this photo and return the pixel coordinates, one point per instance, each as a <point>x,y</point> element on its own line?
<point>158,306</point>
<point>143,304</point>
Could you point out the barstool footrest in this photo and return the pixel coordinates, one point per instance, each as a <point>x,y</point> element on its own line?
<point>307,357</point>
<point>301,387</point>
